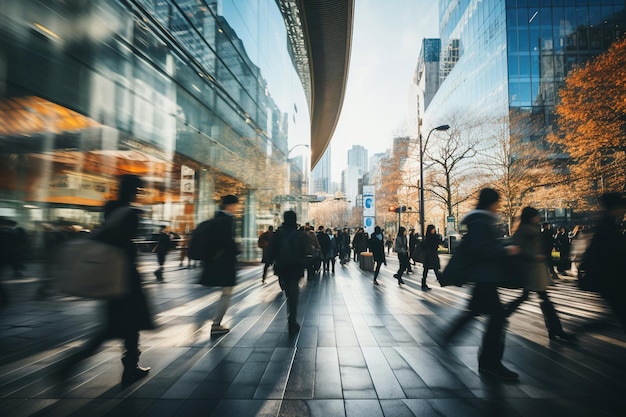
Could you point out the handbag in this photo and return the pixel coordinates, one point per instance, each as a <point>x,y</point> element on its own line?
<point>458,268</point>
<point>93,269</point>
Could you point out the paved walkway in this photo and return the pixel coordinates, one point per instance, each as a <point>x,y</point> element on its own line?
<point>362,351</point>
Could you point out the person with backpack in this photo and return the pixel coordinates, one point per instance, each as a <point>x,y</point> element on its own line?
<point>288,252</point>
<point>263,242</point>
<point>220,261</point>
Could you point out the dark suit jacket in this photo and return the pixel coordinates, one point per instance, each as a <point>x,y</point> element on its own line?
<point>220,270</point>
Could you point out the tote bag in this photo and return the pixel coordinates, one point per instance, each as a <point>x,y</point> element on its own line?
<point>93,269</point>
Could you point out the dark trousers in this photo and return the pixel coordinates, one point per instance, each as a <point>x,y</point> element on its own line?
<point>550,316</point>
<point>161,258</point>
<point>485,301</point>
<point>290,285</point>
<point>378,264</point>
<point>403,258</point>
<point>328,262</point>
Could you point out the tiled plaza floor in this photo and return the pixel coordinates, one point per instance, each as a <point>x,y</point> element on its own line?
<point>362,351</point>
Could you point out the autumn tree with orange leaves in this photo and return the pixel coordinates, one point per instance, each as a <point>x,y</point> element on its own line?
<point>592,122</point>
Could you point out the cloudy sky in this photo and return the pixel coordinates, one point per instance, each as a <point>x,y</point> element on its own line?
<point>386,41</point>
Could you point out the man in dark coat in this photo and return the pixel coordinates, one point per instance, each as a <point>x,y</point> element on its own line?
<point>547,235</point>
<point>220,267</point>
<point>359,243</point>
<point>163,246</point>
<point>287,251</point>
<point>376,245</point>
<point>263,242</point>
<point>604,261</point>
<point>488,254</point>
<point>325,247</point>
<point>126,316</point>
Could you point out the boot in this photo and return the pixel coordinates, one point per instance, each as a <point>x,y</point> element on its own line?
<point>424,286</point>
<point>553,323</point>
<point>132,371</point>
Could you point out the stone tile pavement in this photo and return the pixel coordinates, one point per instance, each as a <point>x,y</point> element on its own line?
<point>363,351</point>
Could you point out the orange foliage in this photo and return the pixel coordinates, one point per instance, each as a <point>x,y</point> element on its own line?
<point>592,120</point>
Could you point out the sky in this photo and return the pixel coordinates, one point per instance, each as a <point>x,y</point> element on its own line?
<point>386,41</point>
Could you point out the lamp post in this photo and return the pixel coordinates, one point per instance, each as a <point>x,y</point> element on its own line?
<point>440,128</point>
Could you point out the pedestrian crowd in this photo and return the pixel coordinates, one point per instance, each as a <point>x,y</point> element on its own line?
<point>488,261</point>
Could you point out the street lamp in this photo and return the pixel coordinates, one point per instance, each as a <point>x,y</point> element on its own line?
<point>441,128</point>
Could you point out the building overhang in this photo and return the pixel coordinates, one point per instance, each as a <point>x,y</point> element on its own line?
<point>320,34</point>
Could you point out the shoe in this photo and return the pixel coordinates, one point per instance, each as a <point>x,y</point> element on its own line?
<point>294,328</point>
<point>218,329</point>
<point>499,371</point>
<point>400,281</point>
<point>562,337</point>
<point>376,282</point>
<point>396,276</point>
<point>132,375</point>
<point>263,280</point>
<point>426,288</point>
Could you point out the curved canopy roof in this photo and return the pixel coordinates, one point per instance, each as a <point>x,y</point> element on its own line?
<point>320,33</point>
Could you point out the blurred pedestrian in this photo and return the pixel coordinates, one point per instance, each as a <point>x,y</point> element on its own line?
<point>359,243</point>
<point>604,261</point>
<point>7,252</point>
<point>163,246</point>
<point>288,252</point>
<point>430,248</point>
<point>531,265</point>
<point>125,316</point>
<point>263,242</point>
<point>325,247</point>
<point>343,242</point>
<point>547,235</point>
<point>389,242</point>
<point>487,253</point>
<point>220,267</point>
<point>377,247</point>
<point>401,247</point>
<point>413,242</point>
<point>563,245</point>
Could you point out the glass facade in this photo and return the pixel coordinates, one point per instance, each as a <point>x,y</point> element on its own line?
<point>199,97</point>
<point>513,55</point>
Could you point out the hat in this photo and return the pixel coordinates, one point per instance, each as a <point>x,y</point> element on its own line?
<point>612,200</point>
<point>229,199</point>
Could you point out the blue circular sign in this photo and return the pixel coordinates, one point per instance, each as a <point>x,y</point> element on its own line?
<point>368,203</point>
<point>369,222</point>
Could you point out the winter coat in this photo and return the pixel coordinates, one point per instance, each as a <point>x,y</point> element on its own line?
<point>359,242</point>
<point>376,245</point>
<point>131,312</point>
<point>400,246</point>
<point>263,243</point>
<point>220,270</point>
<point>534,273</point>
<point>326,245</point>
<point>431,256</point>
<point>485,250</point>
<point>301,247</point>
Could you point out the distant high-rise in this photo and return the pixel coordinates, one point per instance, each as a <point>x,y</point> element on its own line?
<point>357,157</point>
<point>427,73</point>
<point>350,183</point>
<point>321,174</point>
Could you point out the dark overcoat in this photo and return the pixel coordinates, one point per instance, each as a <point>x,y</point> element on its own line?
<point>376,244</point>
<point>220,269</point>
<point>130,313</point>
<point>431,256</point>
<point>485,249</point>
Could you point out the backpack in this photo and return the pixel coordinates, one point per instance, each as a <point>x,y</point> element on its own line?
<point>200,244</point>
<point>291,250</point>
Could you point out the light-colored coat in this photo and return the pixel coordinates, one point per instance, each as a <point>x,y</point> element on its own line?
<point>534,272</point>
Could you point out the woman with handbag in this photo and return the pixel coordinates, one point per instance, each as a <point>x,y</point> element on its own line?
<point>531,264</point>
<point>429,255</point>
<point>127,315</point>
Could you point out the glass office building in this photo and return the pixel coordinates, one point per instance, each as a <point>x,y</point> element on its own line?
<point>502,56</point>
<point>201,98</point>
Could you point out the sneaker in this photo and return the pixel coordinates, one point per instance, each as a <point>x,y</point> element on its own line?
<point>499,371</point>
<point>218,329</point>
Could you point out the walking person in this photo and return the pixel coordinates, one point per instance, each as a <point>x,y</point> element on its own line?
<point>548,244</point>
<point>288,252</point>
<point>389,243</point>
<point>401,247</point>
<point>263,242</point>
<point>220,267</point>
<point>126,316</point>
<point>163,246</point>
<point>325,247</point>
<point>430,247</point>
<point>377,247</point>
<point>413,242</point>
<point>531,264</point>
<point>359,243</point>
<point>487,252</point>
<point>563,244</point>
<point>343,243</point>
<point>604,261</point>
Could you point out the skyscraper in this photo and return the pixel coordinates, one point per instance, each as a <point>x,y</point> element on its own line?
<point>321,174</point>
<point>357,157</point>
